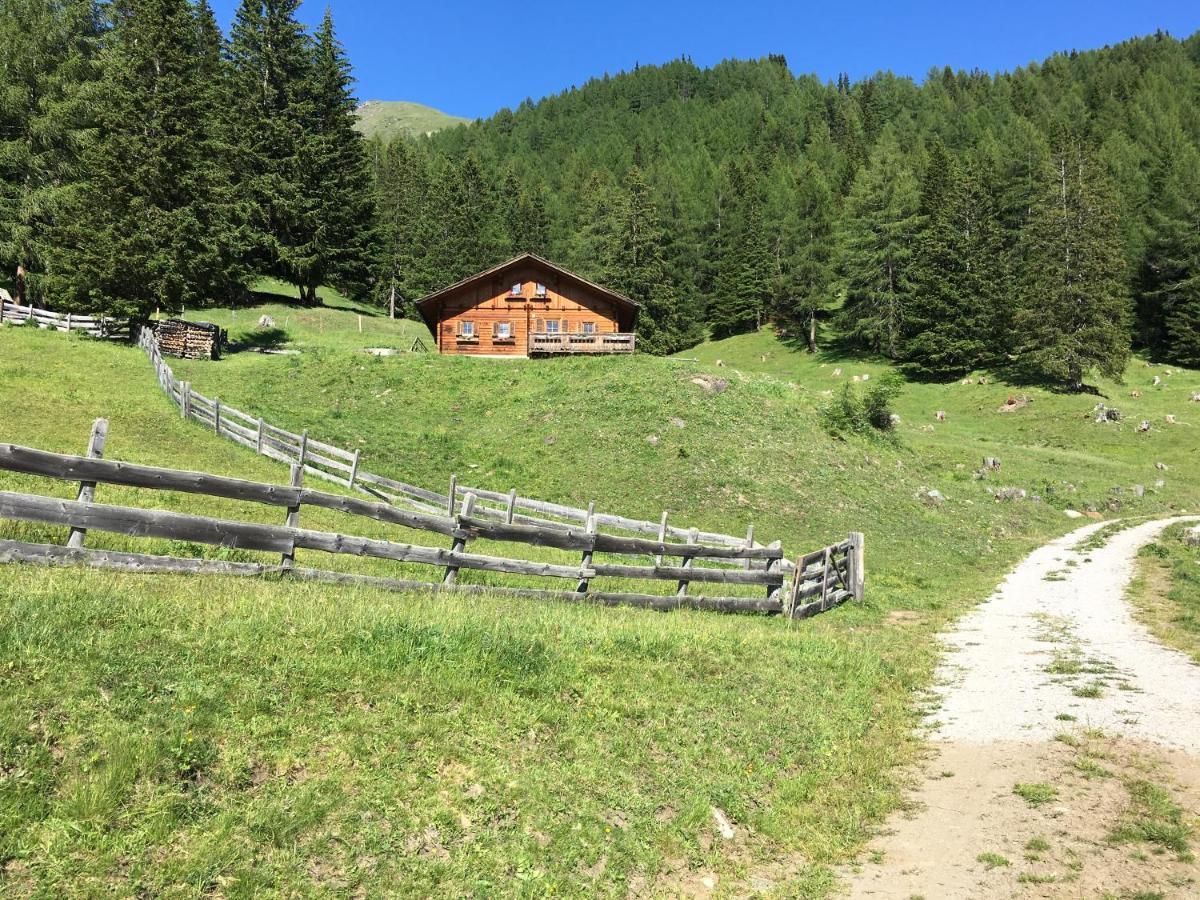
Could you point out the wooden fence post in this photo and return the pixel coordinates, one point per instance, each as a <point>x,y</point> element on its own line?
<point>87,489</point>
<point>452,497</point>
<point>512,506</point>
<point>682,589</point>
<point>586,561</point>
<point>303,447</point>
<point>749,542</point>
<point>354,468</point>
<point>259,442</point>
<point>288,560</point>
<point>774,592</point>
<point>460,544</point>
<point>216,415</point>
<point>824,579</point>
<point>185,399</point>
<point>68,323</point>
<point>856,570</point>
<point>662,536</point>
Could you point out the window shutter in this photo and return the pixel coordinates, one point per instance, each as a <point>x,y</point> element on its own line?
<point>563,326</point>
<point>539,326</point>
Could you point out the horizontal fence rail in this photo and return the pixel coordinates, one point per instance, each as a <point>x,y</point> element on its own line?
<point>821,579</point>
<point>97,326</point>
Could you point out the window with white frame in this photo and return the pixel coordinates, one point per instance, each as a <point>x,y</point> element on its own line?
<point>466,330</point>
<point>552,326</point>
<point>587,327</point>
<point>515,290</point>
<point>540,291</point>
<point>502,331</point>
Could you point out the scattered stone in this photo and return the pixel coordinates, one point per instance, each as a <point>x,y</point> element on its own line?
<point>991,463</point>
<point>1073,514</point>
<point>1170,419</point>
<point>652,440</point>
<point>1092,514</point>
<point>1159,484</point>
<point>381,351</point>
<point>1009,493</point>
<point>837,373</point>
<point>711,383</point>
<point>549,440</point>
<point>894,418</point>
<point>677,422</point>
<point>724,826</point>
<point>1196,396</point>
<point>1014,403</point>
<point>940,415</point>
<point>265,321</point>
<point>866,377</point>
<point>856,378</point>
<point>1157,381</point>
<point>1191,537</point>
<point>720,363</point>
<point>1135,394</point>
<point>932,497</point>
<point>1139,490</point>
<point>1144,425</point>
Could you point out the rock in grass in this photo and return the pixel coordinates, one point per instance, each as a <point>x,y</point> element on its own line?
<point>932,497</point>
<point>711,383</point>
<point>1072,514</point>
<point>1011,493</point>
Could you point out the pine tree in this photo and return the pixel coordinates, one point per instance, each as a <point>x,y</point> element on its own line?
<point>805,281</point>
<point>1169,282</point>
<point>47,79</point>
<point>143,226</point>
<point>954,275</point>
<point>336,185</point>
<point>878,232</point>
<point>745,277</point>
<point>270,64</point>
<point>1074,306</point>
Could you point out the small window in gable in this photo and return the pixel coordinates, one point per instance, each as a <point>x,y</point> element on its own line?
<point>515,291</point>
<point>540,291</point>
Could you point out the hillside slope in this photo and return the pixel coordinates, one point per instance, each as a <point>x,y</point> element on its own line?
<point>188,735</point>
<point>389,119</point>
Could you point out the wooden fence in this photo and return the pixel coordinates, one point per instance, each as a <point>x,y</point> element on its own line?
<point>97,326</point>
<point>819,580</point>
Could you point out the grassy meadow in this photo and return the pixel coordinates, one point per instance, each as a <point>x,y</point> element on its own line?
<point>179,737</point>
<point>1166,592</point>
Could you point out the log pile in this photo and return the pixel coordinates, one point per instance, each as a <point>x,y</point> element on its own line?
<point>190,340</point>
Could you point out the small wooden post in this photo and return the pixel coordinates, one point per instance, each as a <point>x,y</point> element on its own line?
<point>185,399</point>
<point>360,324</point>
<point>288,561</point>
<point>586,561</point>
<point>774,592</point>
<point>303,447</point>
<point>216,415</point>
<point>354,468</point>
<point>856,571</point>
<point>460,544</point>
<point>749,543</point>
<point>87,489</point>
<point>452,497</point>
<point>662,536</point>
<point>512,506</point>
<point>825,579</point>
<point>259,442</point>
<point>682,589</point>
<point>68,323</point>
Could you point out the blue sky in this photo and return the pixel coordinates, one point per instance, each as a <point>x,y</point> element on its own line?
<point>471,59</point>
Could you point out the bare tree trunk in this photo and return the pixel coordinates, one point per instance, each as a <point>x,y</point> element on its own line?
<point>21,285</point>
<point>812,331</point>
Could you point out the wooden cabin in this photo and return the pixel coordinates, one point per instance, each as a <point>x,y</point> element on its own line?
<point>529,307</point>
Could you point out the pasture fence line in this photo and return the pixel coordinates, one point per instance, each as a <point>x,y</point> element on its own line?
<point>97,326</point>
<point>820,580</point>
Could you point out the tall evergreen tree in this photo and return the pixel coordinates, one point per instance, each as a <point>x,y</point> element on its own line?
<point>47,77</point>
<point>142,228</point>
<point>805,280</point>
<point>744,280</point>
<point>1169,282</point>
<point>955,274</point>
<point>270,69</point>
<point>1074,305</point>
<point>336,184</point>
<point>875,249</point>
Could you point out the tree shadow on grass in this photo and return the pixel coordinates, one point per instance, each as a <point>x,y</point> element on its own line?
<point>259,340</point>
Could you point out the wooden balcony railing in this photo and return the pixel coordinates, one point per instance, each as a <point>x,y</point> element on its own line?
<point>616,342</point>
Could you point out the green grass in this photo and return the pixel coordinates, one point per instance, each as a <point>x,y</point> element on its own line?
<point>1036,793</point>
<point>186,736</point>
<point>1153,817</point>
<point>390,119</point>
<point>1166,592</point>
<point>992,860</point>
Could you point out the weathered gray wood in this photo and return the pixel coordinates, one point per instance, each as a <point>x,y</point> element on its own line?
<point>406,489</point>
<point>749,543</point>
<point>249,536</point>
<point>685,567</point>
<point>288,557</point>
<point>512,506</point>
<point>818,606</point>
<point>684,574</point>
<point>857,569</point>
<point>460,542</point>
<point>51,555</point>
<point>662,536</point>
<point>258,438</point>
<point>302,456</point>
<point>87,489</point>
<point>217,416</point>
<point>586,561</point>
<point>354,468</point>
<point>775,591</point>
<point>185,399</point>
<point>452,497</point>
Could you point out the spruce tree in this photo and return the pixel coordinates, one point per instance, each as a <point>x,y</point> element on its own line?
<point>270,65</point>
<point>142,227</point>
<point>1169,282</point>
<point>805,288</point>
<point>875,248</point>
<point>745,277</point>
<point>47,78</point>
<point>954,275</point>
<point>1074,305</point>
<point>336,184</point>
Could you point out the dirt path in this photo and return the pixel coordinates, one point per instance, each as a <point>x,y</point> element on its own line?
<point>1065,745</point>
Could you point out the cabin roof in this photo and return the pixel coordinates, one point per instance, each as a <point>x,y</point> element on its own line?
<point>425,304</point>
